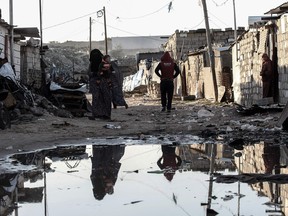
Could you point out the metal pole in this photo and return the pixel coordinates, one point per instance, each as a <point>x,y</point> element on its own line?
<point>238,207</point>
<point>211,172</point>
<point>45,189</point>
<point>11,33</point>
<point>41,35</point>
<point>211,53</point>
<point>41,46</point>
<point>105,30</point>
<point>90,34</point>
<point>235,30</point>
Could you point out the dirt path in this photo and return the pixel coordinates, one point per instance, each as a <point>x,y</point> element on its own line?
<point>142,118</point>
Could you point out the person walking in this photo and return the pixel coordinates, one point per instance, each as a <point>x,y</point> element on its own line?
<point>117,87</point>
<point>167,66</point>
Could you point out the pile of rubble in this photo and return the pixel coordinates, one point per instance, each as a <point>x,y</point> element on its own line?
<point>16,100</point>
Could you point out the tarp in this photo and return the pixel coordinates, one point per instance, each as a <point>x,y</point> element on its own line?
<point>131,82</point>
<point>7,71</point>
<point>54,87</point>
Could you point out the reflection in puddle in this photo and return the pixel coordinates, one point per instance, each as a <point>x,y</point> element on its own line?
<point>145,180</point>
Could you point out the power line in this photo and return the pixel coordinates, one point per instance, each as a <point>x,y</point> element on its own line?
<point>121,30</point>
<point>219,5</point>
<point>198,24</point>
<point>149,14</point>
<point>214,23</point>
<point>70,20</point>
<point>218,19</point>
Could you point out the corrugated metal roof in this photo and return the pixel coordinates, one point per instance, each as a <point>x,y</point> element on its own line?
<point>283,8</point>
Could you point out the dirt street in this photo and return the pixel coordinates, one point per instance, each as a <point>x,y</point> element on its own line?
<point>142,118</point>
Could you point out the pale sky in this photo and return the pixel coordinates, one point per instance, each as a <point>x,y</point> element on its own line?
<point>69,19</point>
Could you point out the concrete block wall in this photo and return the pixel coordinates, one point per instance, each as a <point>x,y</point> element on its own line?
<point>249,66</point>
<point>194,76</point>
<point>30,66</point>
<point>199,79</point>
<point>194,39</point>
<point>282,44</point>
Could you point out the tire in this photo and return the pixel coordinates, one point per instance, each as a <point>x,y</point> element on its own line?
<point>4,118</point>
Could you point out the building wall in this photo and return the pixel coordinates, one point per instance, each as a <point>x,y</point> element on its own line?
<point>5,49</point>
<point>247,84</point>
<point>3,32</point>
<point>194,75</point>
<point>282,44</point>
<point>138,44</point>
<point>30,66</point>
<point>199,79</point>
<point>183,42</point>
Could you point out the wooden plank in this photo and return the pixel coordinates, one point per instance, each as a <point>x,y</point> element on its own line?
<point>221,92</point>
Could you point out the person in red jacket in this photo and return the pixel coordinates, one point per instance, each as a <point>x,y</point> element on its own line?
<point>167,66</point>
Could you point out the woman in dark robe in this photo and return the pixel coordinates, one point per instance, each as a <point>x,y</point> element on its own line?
<point>95,60</point>
<point>105,167</point>
<point>100,85</point>
<point>117,87</point>
<point>104,85</point>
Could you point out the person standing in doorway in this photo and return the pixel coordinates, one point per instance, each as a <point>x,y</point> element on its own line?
<point>167,66</point>
<point>267,76</point>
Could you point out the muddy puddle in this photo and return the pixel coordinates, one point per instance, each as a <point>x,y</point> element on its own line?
<point>146,180</point>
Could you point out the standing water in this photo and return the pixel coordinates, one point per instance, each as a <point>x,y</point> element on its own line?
<point>113,180</point>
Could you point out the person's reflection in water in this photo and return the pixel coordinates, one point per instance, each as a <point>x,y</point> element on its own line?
<point>105,168</point>
<point>271,158</point>
<point>169,162</point>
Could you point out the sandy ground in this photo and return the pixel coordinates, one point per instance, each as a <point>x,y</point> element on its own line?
<point>142,118</point>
